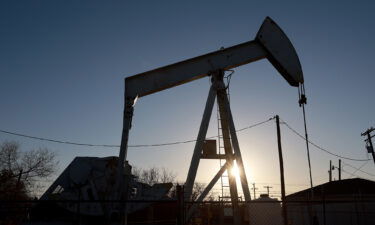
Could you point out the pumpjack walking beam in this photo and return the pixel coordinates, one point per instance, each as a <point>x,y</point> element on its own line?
<point>270,43</point>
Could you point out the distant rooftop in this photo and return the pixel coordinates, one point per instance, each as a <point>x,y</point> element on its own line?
<point>347,188</point>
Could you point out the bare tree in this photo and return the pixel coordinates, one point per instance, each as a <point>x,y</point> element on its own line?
<point>198,188</point>
<point>154,175</point>
<point>25,168</point>
<point>9,155</point>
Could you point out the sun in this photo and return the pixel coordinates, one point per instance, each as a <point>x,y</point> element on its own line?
<point>234,171</point>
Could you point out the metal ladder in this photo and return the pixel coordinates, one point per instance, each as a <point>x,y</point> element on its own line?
<point>224,179</point>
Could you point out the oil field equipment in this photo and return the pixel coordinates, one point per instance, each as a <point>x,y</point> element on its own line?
<point>271,43</point>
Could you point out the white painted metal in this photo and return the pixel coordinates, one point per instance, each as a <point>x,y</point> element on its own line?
<point>192,69</point>
<point>228,147</point>
<point>200,140</point>
<point>236,147</point>
<point>225,116</point>
<point>270,43</point>
<point>119,187</point>
<point>207,189</point>
<point>281,52</point>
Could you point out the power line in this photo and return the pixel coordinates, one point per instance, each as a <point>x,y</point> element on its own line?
<point>352,174</point>
<point>339,156</point>
<point>319,147</point>
<point>189,141</point>
<point>254,125</point>
<point>117,146</point>
<point>325,150</point>
<point>294,185</point>
<point>58,141</point>
<point>359,169</point>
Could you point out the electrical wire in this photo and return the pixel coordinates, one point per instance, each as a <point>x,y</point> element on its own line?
<point>339,156</point>
<point>117,146</point>
<point>319,147</point>
<point>359,169</point>
<point>351,174</point>
<point>190,141</point>
<point>58,141</point>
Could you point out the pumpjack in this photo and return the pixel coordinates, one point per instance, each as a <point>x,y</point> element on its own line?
<point>270,43</point>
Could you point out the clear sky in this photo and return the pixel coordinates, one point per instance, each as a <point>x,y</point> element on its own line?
<point>63,64</point>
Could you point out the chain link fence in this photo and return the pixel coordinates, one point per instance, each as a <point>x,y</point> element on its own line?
<point>171,211</point>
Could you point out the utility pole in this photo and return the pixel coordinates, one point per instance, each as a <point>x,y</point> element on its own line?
<point>180,203</point>
<point>339,169</point>
<point>268,189</point>
<point>281,162</point>
<point>254,188</point>
<point>370,147</point>
<point>330,170</point>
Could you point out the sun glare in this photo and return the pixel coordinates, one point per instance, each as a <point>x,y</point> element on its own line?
<point>235,171</point>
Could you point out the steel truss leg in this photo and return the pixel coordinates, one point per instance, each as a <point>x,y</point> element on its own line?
<point>245,187</point>
<point>199,143</point>
<point>119,186</point>
<point>224,119</point>
<point>230,145</point>
<point>207,189</point>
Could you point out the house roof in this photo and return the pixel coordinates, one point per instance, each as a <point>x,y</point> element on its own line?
<point>348,188</point>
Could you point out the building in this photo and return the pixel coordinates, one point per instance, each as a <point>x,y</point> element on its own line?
<point>265,210</point>
<point>342,202</point>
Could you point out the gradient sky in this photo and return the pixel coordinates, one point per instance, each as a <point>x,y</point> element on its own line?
<point>63,64</point>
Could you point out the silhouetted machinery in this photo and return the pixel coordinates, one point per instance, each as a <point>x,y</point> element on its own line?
<point>87,180</point>
<point>270,42</point>
<point>110,179</point>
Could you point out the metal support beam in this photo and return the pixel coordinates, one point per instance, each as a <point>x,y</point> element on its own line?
<point>218,156</point>
<point>127,123</point>
<point>270,42</point>
<point>228,147</point>
<point>128,115</point>
<point>207,189</point>
<point>195,68</point>
<point>119,186</point>
<point>228,152</point>
<point>200,140</point>
<point>245,187</point>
